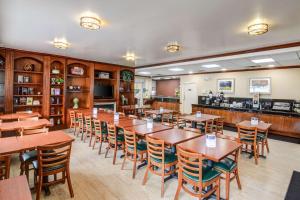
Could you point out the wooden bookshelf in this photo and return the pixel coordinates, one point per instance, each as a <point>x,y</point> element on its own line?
<point>2,83</point>
<point>28,83</point>
<point>126,88</point>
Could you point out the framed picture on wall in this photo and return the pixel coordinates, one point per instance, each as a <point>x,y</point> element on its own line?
<point>260,85</point>
<point>225,85</point>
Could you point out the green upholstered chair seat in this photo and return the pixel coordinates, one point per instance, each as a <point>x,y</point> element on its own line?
<point>29,156</point>
<point>207,174</point>
<point>169,158</point>
<point>103,132</point>
<point>261,136</point>
<point>120,138</point>
<point>141,146</point>
<point>226,164</point>
<point>35,166</point>
<point>251,141</point>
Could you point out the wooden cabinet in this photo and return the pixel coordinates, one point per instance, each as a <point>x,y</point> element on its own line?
<point>166,105</point>
<point>281,125</point>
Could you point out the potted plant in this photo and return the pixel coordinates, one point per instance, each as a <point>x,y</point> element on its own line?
<point>127,76</point>
<point>59,80</point>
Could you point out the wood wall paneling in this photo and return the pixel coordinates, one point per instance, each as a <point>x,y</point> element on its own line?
<point>167,87</point>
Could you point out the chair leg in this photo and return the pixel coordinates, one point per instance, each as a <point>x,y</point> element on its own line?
<point>26,165</point>
<point>162,182</point>
<point>99,152</point>
<point>218,189</point>
<point>267,145</point>
<point>69,183</point>
<point>146,175</point>
<point>178,187</point>
<point>255,149</point>
<point>90,144</point>
<point>227,185</point>
<point>134,167</point>
<point>123,163</point>
<point>237,176</point>
<point>39,188</point>
<point>107,149</point>
<point>96,138</point>
<point>115,154</point>
<point>263,148</point>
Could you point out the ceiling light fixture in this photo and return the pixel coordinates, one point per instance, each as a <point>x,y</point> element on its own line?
<point>89,22</point>
<point>176,69</point>
<point>211,66</point>
<point>190,72</point>
<point>61,43</point>
<point>258,29</point>
<point>130,56</point>
<point>172,47</point>
<point>224,69</point>
<point>144,73</point>
<point>271,65</point>
<point>264,60</point>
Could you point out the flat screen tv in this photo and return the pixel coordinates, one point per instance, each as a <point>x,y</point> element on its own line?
<point>103,91</point>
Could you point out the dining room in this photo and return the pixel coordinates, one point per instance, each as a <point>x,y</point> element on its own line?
<point>149,100</point>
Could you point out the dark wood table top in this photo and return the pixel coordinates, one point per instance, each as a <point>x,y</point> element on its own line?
<point>127,122</point>
<point>16,116</point>
<point>175,136</point>
<point>15,125</point>
<point>142,129</point>
<point>261,125</point>
<point>203,118</point>
<point>15,188</point>
<point>157,112</point>
<point>223,148</point>
<point>11,145</point>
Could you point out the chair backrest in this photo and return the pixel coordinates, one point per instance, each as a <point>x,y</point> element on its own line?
<point>166,117</point>
<point>247,133</point>
<point>34,130</point>
<point>88,121</point>
<point>80,119</point>
<point>190,164</point>
<point>24,112</point>
<point>56,156</point>
<point>156,150</point>
<point>112,134</point>
<point>209,126</point>
<point>72,115</point>
<point>28,119</point>
<point>130,141</point>
<point>97,127</point>
<point>4,167</point>
<point>195,130</point>
<point>167,124</point>
<point>122,114</point>
<point>218,125</point>
<point>132,116</point>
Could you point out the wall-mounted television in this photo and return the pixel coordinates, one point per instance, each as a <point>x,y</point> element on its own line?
<point>103,91</point>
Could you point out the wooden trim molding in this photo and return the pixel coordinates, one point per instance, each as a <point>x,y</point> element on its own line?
<point>268,48</point>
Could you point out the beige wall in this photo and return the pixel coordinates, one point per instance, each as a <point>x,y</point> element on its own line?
<point>147,84</point>
<point>285,82</point>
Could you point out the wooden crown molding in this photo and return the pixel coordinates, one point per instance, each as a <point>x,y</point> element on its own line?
<point>268,48</point>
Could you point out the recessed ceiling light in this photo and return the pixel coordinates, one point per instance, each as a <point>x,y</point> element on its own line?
<point>210,65</point>
<point>172,47</point>
<point>271,65</point>
<point>224,69</point>
<point>264,60</point>
<point>61,43</point>
<point>190,72</point>
<point>130,56</point>
<point>258,29</point>
<point>145,73</point>
<point>176,69</point>
<point>166,78</point>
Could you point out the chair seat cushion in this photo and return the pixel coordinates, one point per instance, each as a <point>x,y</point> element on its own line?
<point>207,174</point>
<point>251,141</point>
<point>29,156</point>
<point>227,164</point>
<point>56,167</point>
<point>141,146</point>
<point>169,158</point>
<point>120,138</point>
<point>261,136</point>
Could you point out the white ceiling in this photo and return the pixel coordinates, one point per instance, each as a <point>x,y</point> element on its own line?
<point>145,27</point>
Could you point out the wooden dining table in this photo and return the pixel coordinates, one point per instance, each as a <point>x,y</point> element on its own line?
<point>159,112</point>
<point>16,125</point>
<point>15,188</point>
<point>174,136</point>
<point>16,116</point>
<point>203,118</point>
<point>142,130</point>
<point>261,126</point>
<point>224,147</point>
<point>16,144</point>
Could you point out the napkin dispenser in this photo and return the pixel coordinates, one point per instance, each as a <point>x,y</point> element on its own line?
<point>149,123</point>
<point>211,140</point>
<point>198,114</point>
<point>161,109</point>
<point>116,116</point>
<point>254,121</point>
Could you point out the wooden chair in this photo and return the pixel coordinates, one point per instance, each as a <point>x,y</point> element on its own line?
<point>73,121</point>
<point>81,127</point>
<point>134,150</point>
<point>218,125</point>
<point>88,129</point>
<point>100,134</point>
<point>121,114</point>
<point>158,158</point>
<point>263,140</point>
<point>229,165</point>
<point>167,124</point>
<point>248,136</point>
<point>192,172</point>
<point>195,130</point>
<point>115,141</point>
<point>27,157</point>
<point>132,117</point>
<point>4,167</point>
<point>209,126</point>
<point>52,160</point>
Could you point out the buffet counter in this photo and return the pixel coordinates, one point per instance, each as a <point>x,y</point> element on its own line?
<point>283,123</point>
<point>171,103</point>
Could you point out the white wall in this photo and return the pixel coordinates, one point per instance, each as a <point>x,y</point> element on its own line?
<point>147,84</point>
<point>285,82</point>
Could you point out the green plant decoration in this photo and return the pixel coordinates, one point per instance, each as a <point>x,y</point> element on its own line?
<point>127,75</point>
<point>59,80</point>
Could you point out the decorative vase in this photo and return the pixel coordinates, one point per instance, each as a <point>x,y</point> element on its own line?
<point>75,102</point>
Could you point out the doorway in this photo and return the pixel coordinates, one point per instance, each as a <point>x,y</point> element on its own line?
<point>190,97</point>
